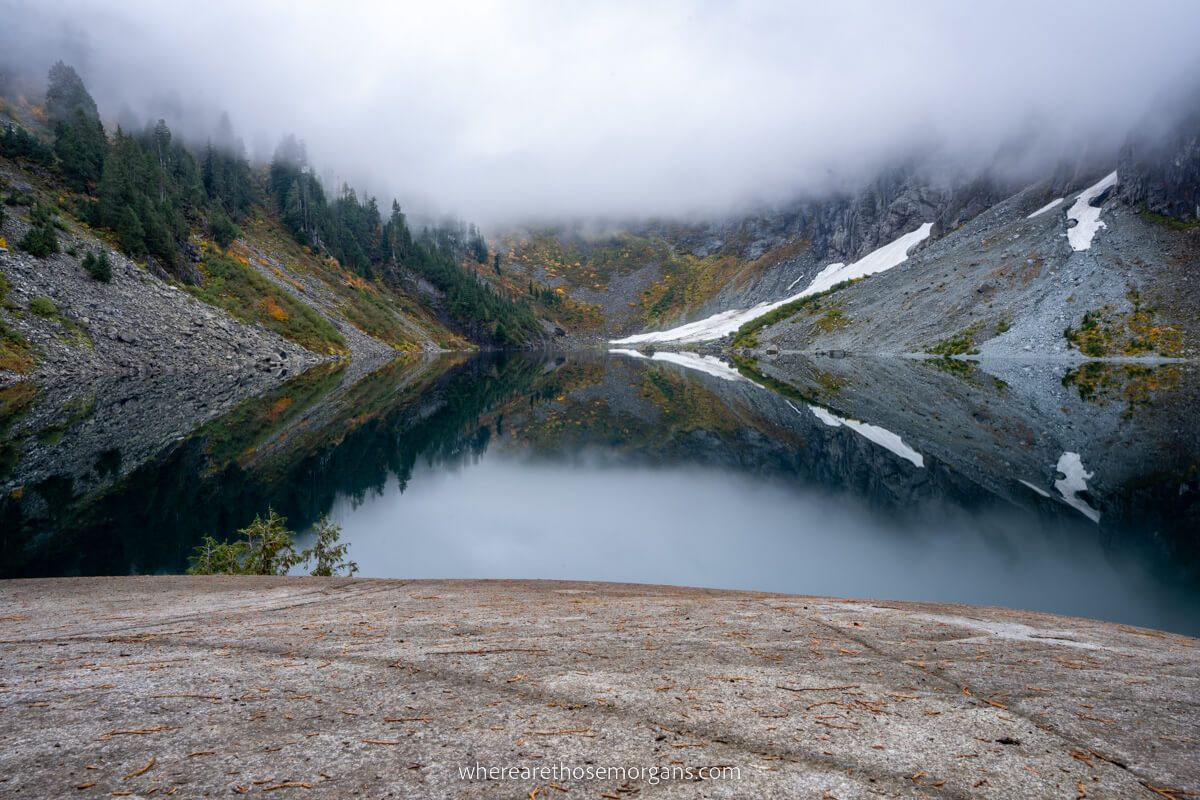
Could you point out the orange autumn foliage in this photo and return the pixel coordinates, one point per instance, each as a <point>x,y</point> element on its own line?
<point>275,310</point>
<point>278,407</point>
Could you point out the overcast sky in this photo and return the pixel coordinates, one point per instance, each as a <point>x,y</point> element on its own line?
<point>505,111</point>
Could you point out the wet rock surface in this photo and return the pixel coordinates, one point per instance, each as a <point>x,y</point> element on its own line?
<point>338,687</point>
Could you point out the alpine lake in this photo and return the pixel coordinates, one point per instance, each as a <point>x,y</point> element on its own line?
<point>1058,487</point>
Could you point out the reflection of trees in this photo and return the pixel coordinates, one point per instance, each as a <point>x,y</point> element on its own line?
<point>211,483</point>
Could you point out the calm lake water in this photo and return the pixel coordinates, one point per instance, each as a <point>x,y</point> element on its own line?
<point>1021,487</point>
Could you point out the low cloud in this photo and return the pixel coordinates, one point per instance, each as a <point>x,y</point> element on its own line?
<point>504,112</point>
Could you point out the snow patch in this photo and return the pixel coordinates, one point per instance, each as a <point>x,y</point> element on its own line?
<point>880,436</point>
<point>836,265</point>
<point>880,260</point>
<point>1047,207</point>
<point>1086,215</point>
<point>1074,481</point>
<point>726,322</point>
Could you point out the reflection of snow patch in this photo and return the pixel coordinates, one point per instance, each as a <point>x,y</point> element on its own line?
<point>1045,208</point>
<point>1074,481</point>
<point>1086,215</point>
<point>824,416</point>
<point>709,365</point>
<point>1037,489</point>
<point>726,322</point>
<point>1008,630</point>
<point>880,436</point>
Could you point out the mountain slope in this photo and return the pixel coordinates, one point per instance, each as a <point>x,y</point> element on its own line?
<point>101,225</point>
<point>262,304</point>
<point>1087,259</point>
<point>1014,281</point>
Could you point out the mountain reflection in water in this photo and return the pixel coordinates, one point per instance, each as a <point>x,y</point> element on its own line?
<point>845,477</point>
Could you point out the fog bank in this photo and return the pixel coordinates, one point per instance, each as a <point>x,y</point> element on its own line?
<point>503,112</point>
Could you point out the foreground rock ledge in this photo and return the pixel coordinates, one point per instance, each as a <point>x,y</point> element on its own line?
<point>307,687</point>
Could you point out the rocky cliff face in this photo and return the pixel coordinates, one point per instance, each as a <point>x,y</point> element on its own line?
<point>847,225</point>
<point>1162,172</point>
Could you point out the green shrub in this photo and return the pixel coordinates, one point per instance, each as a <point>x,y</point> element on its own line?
<point>42,238</point>
<point>98,266</point>
<point>43,307</point>
<point>1172,223</point>
<point>328,556</point>
<point>268,550</point>
<point>747,335</point>
<point>40,241</point>
<point>222,228</point>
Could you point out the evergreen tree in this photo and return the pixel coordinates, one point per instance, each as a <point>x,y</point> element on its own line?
<point>327,556</point>
<point>225,172</point>
<point>41,239</point>
<point>16,142</point>
<point>130,232</point>
<point>98,266</point>
<point>150,188</point>
<point>66,94</point>
<point>397,238</point>
<point>80,146</point>
<point>78,134</point>
<point>293,213</point>
<point>477,245</point>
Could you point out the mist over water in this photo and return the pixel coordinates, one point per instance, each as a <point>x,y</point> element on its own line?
<point>511,517</point>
